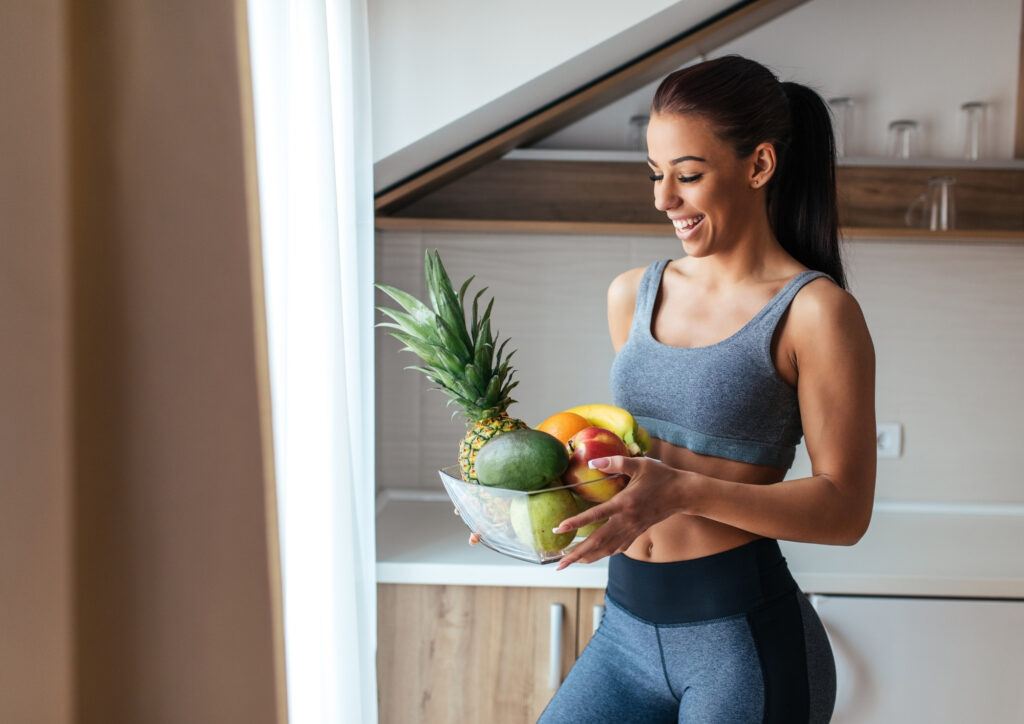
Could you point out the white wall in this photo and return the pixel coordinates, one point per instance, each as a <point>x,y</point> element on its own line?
<point>447,72</point>
<point>915,59</point>
<point>945,319</point>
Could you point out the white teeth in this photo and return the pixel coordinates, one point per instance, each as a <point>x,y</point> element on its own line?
<point>687,223</point>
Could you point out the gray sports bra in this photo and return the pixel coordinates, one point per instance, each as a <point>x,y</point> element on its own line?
<point>725,399</point>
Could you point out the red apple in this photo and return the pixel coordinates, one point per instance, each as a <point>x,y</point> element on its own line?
<point>586,445</point>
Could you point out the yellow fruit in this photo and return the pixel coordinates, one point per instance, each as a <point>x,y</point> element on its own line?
<point>643,439</point>
<point>582,505</point>
<point>564,425</point>
<point>613,418</point>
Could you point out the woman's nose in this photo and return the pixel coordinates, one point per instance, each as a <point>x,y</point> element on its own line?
<point>665,197</point>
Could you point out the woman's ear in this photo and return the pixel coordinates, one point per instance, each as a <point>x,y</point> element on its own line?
<point>763,166</point>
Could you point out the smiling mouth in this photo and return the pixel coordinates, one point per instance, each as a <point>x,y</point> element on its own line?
<point>684,224</point>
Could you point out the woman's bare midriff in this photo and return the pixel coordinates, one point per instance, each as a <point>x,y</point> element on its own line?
<point>684,537</point>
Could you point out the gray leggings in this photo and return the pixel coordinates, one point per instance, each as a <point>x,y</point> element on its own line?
<point>769,662</point>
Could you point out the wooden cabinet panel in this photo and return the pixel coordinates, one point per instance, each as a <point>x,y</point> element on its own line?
<point>469,653</point>
<point>590,598</point>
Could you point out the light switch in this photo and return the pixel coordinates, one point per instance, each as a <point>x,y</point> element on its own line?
<point>889,436</point>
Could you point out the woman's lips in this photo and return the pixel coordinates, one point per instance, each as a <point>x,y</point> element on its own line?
<point>684,227</point>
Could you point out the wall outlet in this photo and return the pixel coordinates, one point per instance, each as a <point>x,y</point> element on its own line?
<point>889,436</point>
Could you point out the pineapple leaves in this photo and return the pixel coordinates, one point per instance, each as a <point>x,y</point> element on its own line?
<point>417,309</point>
<point>474,377</point>
<point>447,305</point>
<point>457,350</point>
<point>407,323</point>
<point>462,292</point>
<point>423,350</point>
<point>474,332</point>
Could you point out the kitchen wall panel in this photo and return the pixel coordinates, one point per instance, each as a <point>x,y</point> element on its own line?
<point>945,319</point>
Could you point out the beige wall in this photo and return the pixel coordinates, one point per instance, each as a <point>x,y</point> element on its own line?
<point>137,580</point>
<point>35,443</point>
<point>945,318</point>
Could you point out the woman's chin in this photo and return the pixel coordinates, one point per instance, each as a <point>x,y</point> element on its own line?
<point>694,248</point>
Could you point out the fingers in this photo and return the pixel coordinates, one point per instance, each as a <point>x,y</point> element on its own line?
<point>615,464</point>
<point>581,554</point>
<point>569,524</point>
<point>592,549</point>
<point>474,538</point>
<point>582,519</point>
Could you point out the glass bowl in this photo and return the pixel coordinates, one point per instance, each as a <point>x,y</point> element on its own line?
<point>518,523</point>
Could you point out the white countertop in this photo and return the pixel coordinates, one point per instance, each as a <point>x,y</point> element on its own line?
<point>911,549</point>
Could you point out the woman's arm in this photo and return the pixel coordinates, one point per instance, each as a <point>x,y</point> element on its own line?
<point>621,303</point>
<point>835,364</point>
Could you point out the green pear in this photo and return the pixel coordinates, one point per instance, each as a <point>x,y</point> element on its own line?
<point>535,516</point>
<point>581,505</point>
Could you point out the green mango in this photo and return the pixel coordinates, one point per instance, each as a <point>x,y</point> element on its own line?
<point>521,460</point>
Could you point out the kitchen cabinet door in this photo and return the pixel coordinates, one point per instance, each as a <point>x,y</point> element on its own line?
<point>591,611</point>
<point>471,653</point>
<point>941,661</point>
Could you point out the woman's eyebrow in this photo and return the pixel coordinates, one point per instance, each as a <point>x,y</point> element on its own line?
<point>674,161</point>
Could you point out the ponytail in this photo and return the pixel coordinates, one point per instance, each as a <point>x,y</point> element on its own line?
<point>802,205</point>
<point>748,105</point>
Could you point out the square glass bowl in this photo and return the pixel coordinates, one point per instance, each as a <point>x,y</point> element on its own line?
<point>518,523</point>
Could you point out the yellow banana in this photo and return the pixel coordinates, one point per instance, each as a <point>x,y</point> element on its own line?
<point>619,421</point>
<point>643,439</point>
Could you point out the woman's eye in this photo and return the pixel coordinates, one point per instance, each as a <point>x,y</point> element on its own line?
<point>683,179</point>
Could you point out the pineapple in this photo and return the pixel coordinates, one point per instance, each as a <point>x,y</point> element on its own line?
<point>463,362</point>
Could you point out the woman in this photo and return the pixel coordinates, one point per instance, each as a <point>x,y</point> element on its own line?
<point>727,356</point>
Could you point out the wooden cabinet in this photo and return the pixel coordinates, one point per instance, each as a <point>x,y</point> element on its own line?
<point>475,653</point>
<point>591,608</point>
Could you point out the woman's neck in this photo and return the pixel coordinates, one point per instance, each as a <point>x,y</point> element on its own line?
<point>755,256</point>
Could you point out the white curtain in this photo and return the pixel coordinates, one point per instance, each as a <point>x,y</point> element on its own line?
<point>310,68</point>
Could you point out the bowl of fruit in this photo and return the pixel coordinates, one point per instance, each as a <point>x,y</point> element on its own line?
<point>524,483</point>
<point>517,523</point>
<point>513,483</point>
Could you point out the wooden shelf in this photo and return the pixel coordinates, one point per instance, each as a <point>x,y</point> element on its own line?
<point>640,157</point>
<point>991,236</point>
<point>611,197</point>
<point>521,226</point>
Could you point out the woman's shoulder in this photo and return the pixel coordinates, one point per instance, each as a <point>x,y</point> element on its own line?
<point>624,286</point>
<point>622,293</point>
<point>821,304</point>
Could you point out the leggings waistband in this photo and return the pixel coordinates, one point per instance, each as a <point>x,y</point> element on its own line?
<point>724,584</point>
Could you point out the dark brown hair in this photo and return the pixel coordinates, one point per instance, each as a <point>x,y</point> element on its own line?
<point>747,105</point>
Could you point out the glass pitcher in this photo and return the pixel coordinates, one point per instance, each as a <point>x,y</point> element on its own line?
<point>935,209</point>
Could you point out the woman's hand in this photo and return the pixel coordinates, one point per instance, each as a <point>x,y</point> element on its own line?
<point>474,537</point>
<point>655,491</point>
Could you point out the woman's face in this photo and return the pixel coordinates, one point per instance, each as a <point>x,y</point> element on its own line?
<point>706,191</point>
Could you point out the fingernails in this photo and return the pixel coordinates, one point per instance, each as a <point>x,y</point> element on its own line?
<point>597,463</point>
